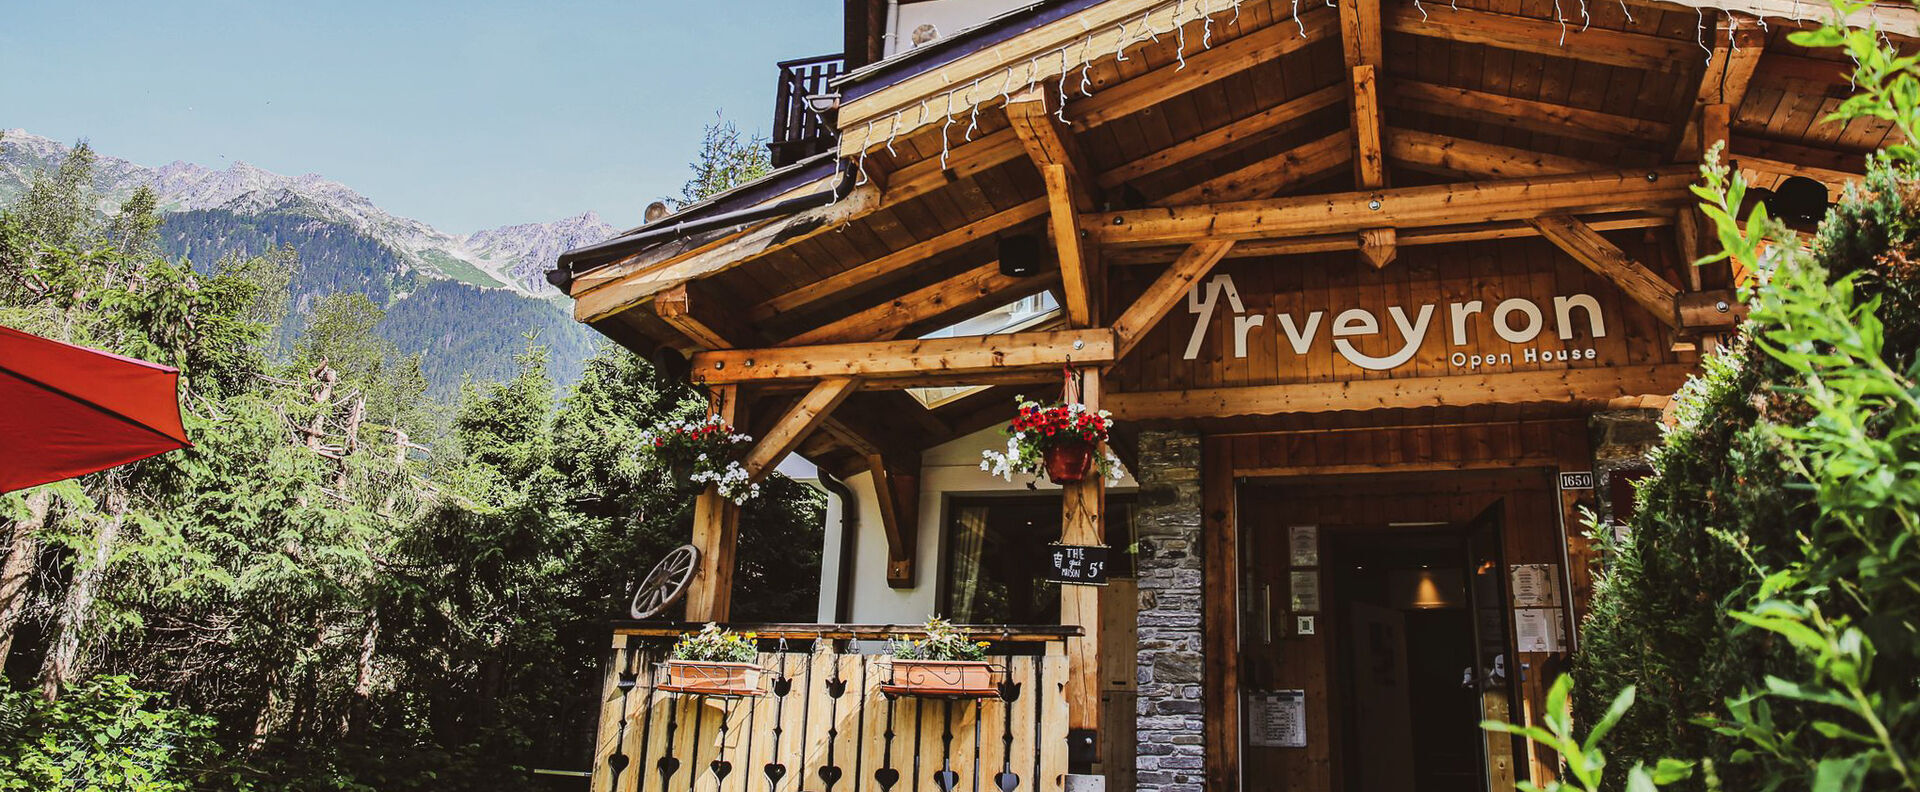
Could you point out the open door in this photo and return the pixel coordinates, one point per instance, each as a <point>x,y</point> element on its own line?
<point>1495,671</point>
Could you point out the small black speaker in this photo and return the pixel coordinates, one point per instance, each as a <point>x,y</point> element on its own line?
<point>1021,255</point>
<point>1799,200</point>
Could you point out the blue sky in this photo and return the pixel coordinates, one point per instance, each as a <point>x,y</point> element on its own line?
<point>466,115</point>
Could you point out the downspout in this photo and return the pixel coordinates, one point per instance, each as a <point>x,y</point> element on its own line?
<point>849,525</point>
<point>892,37</point>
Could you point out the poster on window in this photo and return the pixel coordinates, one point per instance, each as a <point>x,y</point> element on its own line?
<point>1277,718</point>
<point>1539,630</point>
<point>1535,586</point>
<point>1304,542</point>
<point>1305,587</point>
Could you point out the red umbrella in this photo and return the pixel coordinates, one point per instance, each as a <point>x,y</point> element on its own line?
<point>67,411</point>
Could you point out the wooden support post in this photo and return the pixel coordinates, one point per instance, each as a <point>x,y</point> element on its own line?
<point>716,531</point>
<point>1070,191</point>
<point>1219,620</point>
<point>1083,522</point>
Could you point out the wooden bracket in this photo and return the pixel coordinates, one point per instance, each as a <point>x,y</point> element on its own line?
<point>799,421</point>
<point>687,308</point>
<point>1378,247</point>
<point>896,485</point>
<point>1594,252</point>
<point>1165,291</point>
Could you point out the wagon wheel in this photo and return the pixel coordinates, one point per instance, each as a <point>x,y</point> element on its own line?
<point>666,584</point>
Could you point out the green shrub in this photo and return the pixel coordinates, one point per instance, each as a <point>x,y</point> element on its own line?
<point>105,736</point>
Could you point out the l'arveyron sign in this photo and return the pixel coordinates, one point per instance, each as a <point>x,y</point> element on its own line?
<point>1516,320</point>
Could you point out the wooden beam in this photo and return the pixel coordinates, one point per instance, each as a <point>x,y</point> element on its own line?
<point>619,286</point>
<point>1324,243</point>
<point>704,321</point>
<point>1593,251</point>
<point>1360,40</point>
<point>799,421</point>
<point>716,530</point>
<point>1545,37</point>
<point>1049,142</point>
<point>1534,116</point>
<point>1432,152</point>
<point>1402,207</point>
<point>1897,20</point>
<point>1051,147</point>
<point>1718,308</point>
<point>1573,385</point>
<point>1729,72</point>
<point>1369,159</point>
<point>1076,257</point>
<point>1276,174</point>
<point>837,284</point>
<point>1083,522</point>
<point>1164,292</point>
<point>976,290</point>
<point>1214,140</point>
<point>896,486</point>
<point>1832,168</point>
<point>1278,39</point>
<point>956,358</point>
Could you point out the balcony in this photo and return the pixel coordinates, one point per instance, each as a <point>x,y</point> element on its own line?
<point>823,722</point>
<point>798,131</point>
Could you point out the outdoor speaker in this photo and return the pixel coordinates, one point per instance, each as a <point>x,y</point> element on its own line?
<point>1021,255</point>
<point>1799,200</point>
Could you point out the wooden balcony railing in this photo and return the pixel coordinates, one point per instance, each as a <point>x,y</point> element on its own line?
<point>823,723</point>
<point>798,131</point>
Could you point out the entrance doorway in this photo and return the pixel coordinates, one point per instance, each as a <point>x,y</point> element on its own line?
<point>1406,650</point>
<point>1376,609</point>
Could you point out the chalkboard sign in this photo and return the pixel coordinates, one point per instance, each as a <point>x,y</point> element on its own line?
<point>1078,564</point>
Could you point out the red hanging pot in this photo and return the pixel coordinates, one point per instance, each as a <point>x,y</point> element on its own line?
<point>1069,462</point>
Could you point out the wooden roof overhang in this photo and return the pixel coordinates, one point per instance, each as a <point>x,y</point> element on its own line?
<point>1376,127</point>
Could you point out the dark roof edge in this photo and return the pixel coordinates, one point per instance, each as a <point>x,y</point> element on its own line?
<point>920,60</point>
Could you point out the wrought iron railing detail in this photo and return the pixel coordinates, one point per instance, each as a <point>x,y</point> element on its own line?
<point>823,724</point>
<point>799,131</point>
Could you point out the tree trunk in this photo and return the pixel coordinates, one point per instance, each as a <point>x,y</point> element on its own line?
<point>22,554</point>
<point>76,611</point>
<point>362,703</point>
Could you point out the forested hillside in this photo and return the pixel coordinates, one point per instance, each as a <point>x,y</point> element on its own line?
<point>346,583</point>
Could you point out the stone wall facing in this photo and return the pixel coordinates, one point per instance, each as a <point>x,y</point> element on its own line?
<point>1169,720</point>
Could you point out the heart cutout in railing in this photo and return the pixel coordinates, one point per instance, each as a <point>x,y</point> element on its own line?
<point>830,774</point>
<point>782,685</point>
<point>886,777</point>
<point>1006,780</point>
<point>721,769</point>
<point>775,771</point>
<point>668,766</point>
<point>1009,691</point>
<point>946,780</point>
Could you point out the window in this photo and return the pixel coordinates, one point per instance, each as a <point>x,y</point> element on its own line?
<point>997,557</point>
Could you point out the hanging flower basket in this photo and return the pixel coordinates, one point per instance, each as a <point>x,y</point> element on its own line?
<point>942,665</point>
<point>1069,462</point>
<point>713,662</point>
<point>1065,442</point>
<point>705,451</point>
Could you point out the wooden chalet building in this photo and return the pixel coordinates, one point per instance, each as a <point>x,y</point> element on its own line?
<point>1382,294</point>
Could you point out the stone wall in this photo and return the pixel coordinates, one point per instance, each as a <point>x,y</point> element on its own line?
<point>1170,724</point>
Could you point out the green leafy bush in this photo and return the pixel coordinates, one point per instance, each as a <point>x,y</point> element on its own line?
<point>103,735</point>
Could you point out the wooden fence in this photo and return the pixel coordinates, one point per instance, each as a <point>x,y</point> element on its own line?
<point>823,725</point>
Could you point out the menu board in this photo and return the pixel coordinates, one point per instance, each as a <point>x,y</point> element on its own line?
<point>1304,544</point>
<point>1277,718</point>
<point>1535,585</point>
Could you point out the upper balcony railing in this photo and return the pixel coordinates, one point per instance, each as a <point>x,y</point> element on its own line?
<point>799,131</point>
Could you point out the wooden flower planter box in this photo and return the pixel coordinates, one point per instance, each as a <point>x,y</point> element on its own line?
<point>710,678</point>
<point>942,679</point>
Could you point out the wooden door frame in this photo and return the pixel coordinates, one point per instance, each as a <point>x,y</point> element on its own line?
<point>1220,587</point>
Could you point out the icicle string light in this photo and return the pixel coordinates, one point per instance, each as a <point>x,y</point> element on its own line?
<point>1172,17</point>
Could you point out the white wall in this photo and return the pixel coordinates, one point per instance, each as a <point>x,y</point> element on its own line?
<point>946,16</point>
<point>948,470</point>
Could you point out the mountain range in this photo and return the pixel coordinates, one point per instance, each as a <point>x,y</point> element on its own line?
<point>464,301</point>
